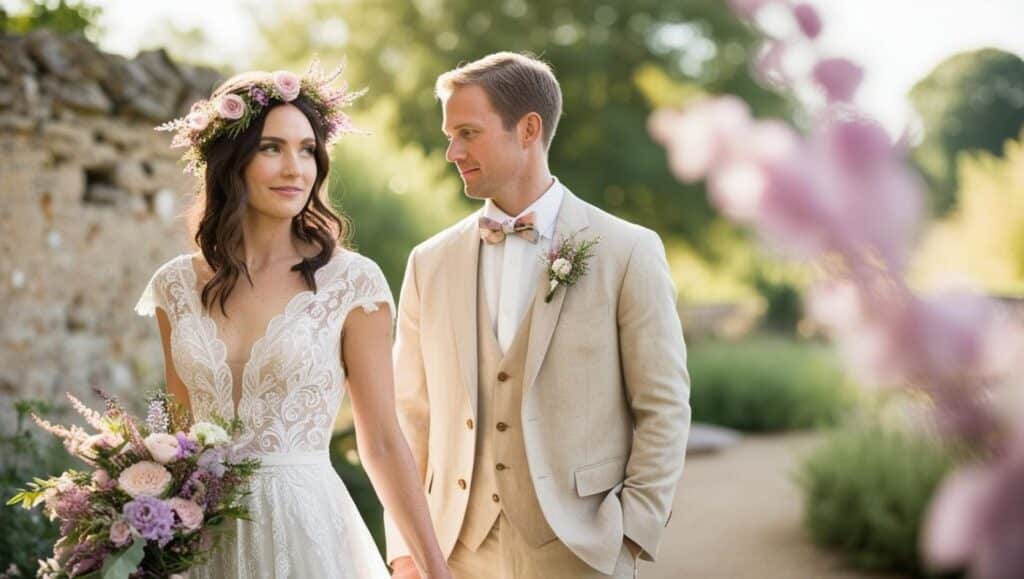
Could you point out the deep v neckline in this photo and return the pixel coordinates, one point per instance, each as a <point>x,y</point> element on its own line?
<point>253,348</point>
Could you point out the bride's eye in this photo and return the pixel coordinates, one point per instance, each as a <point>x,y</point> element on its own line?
<point>269,147</point>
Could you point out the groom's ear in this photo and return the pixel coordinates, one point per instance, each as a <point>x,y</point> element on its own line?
<point>531,129</point>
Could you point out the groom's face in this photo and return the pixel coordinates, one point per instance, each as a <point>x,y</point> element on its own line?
<point>488,156</point>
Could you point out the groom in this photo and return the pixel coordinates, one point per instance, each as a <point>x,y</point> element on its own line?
<point>550,435</point>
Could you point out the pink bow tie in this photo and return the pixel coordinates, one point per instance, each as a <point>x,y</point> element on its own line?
<point>493,231</point>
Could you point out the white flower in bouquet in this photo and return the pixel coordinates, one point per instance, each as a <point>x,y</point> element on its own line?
<point>209,434</point>
<point>163,447</point>
<point>144,478</point>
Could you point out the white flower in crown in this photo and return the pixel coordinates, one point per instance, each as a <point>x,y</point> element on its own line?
<point>567,262</point>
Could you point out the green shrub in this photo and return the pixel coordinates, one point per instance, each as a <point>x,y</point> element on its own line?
<point>866,491</point>
<point>766,383</point>
<point>30,452</point>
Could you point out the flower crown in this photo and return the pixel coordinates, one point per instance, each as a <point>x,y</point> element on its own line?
<point>230,112</point>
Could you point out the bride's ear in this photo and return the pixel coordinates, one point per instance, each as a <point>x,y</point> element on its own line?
<point>531,129</point>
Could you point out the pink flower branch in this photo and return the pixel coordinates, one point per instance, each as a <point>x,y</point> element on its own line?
<point>844,197</point>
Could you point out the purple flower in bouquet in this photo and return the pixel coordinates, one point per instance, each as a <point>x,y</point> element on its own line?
<point>213,461</point>
<point>152,518</point>
<point>156,416</point>
<point>195,487</point>
<point>186,446</point>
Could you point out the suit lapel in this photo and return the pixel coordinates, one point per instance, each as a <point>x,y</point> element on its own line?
<point>462,296</point>
<point>572,217</point>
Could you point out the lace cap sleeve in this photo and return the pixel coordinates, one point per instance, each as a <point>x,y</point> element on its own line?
<point>155,294</point>
<point>370,288</point>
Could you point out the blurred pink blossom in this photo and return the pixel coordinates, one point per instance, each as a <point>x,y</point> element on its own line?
<point>976,520</point>
<point>808,19</point>
<point>845,196</point>
<point>839,78</point>
<point>700,137</point>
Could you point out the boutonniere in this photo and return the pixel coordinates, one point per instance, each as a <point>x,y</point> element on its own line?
<point>567,262</point>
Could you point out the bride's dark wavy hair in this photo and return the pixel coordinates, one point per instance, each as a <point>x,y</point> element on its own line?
<point>224,194</point>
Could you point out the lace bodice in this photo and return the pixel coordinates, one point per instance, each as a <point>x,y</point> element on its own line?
<point>293,382</point>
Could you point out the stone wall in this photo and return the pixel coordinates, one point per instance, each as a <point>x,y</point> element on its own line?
<point>93,201</point>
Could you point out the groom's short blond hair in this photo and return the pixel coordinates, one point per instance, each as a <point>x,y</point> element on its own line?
<point>516,84</point>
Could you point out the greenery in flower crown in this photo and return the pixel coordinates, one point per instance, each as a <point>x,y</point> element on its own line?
<point>231,113</point>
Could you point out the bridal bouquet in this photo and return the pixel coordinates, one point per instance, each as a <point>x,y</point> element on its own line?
<point>155,498</point>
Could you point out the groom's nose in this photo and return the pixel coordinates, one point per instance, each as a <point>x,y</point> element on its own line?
<point>455,152</point>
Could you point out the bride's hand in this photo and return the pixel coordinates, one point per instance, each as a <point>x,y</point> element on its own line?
<point>404,568</point>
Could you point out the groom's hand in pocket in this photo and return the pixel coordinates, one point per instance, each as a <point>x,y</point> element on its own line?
<point>404,568</point>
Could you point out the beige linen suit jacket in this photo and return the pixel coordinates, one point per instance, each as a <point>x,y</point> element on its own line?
<point>605,409</point>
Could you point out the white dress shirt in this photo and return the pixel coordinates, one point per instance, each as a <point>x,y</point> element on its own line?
<point>511,270</point>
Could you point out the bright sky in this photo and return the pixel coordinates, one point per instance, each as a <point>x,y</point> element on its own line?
<point>897,41</point>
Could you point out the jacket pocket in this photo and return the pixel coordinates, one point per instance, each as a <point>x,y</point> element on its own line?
<point>601,476</point>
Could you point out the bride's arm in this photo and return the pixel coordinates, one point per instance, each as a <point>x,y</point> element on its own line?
<point>366,351</point>
<point>175,387</point>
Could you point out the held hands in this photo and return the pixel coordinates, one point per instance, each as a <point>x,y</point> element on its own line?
<point>404,568</point>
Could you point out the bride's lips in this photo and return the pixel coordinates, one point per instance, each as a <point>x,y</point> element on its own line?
<point>287,191</point>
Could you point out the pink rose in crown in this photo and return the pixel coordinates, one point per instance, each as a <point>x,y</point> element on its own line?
<point>287,84</point>
<point>231,107</point>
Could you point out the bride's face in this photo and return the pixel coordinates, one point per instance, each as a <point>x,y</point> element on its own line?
<point>280,177</point>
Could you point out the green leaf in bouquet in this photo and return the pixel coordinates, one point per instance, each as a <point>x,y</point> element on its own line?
<point>126,562</point>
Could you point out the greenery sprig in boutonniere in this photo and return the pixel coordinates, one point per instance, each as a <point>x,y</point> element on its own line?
<point>567,262</point>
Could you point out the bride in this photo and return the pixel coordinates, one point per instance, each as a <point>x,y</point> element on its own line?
<point>273,319</point>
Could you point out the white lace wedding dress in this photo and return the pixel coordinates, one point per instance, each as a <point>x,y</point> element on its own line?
<point>305,524</point>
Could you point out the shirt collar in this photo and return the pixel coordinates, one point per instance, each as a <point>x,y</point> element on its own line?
<point>545,208</point>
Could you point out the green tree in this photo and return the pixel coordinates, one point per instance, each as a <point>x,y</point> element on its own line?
<point>602,53</point>
<point>982,238</point>
<point>973,101</point>
<point>64,16</point>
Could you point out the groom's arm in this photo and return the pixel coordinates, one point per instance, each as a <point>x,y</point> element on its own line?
<point>658,390</point>
<point>411,401</point>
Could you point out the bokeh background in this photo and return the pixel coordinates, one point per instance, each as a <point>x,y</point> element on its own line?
<point>797,467</point>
